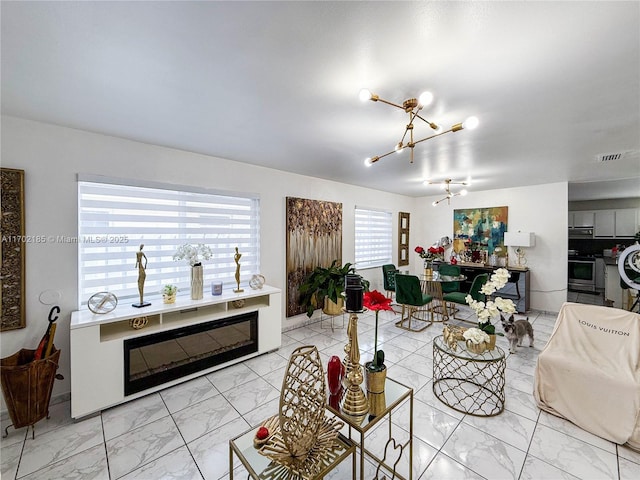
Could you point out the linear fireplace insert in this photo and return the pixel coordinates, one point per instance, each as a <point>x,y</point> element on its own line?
<point>161,357</point>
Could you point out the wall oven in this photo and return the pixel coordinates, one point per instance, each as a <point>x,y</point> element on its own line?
<point>582,274</point>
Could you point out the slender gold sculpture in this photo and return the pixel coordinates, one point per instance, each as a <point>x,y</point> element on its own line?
<point>141,265</point>
<point>237,257</point>
<point>354,403</point>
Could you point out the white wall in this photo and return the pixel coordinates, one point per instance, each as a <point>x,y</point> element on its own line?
<point>51,156</point>
<point>541,209</point>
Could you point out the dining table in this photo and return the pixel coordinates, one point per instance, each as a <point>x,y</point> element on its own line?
<point>432,285</point>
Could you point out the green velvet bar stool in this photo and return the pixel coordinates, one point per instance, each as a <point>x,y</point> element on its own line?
<point>409,294</point>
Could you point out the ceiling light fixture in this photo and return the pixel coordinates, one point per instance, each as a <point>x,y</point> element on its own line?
<point>446,186</point>
<point>413,106</point>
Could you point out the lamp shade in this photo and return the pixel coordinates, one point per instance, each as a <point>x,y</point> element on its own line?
<point>519,239</point>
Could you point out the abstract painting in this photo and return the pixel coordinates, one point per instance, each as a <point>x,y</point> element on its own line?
<point>483,227</point>
<point>314,238</point>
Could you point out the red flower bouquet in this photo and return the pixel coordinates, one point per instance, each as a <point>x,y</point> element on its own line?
<point>376,301</point>
<point>433,253</point>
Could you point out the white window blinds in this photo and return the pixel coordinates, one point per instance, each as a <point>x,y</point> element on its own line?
<point>115,219</point>
<point>373,238</point>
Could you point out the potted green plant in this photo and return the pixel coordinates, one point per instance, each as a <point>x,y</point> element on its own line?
<point>169,293</point>
<point>325,283</point>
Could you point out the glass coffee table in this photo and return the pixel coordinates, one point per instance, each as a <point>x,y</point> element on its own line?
<point>261,467</point>
<point>468,382</point>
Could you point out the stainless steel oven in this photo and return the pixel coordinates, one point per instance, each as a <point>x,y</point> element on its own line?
<point>582,274</point>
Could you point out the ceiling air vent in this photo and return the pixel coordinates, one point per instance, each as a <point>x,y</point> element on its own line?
<point>608,157</point>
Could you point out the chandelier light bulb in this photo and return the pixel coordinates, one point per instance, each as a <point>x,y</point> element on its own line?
<point>435,204</point>
<point>399,147</point>
<point>470,123</point>
<point>425,99</point>
<point>463,192</point>
<point>365,94</point>
<point>368,162</point>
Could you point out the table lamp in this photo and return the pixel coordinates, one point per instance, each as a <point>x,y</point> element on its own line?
<point>520,240</point>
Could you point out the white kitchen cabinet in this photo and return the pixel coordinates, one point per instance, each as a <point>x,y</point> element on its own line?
<point>605,223</point>
<point>626,222</point>
<point>581,219</point>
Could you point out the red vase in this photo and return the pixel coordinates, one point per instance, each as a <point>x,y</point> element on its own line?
<point>335,372</point>
<point>334,401</point>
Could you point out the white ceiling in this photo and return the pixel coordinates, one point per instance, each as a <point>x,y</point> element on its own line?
<point>276,84</point>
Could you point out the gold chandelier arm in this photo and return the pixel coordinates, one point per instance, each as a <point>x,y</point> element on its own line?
<point>452,129</point>
<point>431,124</point>
<point>378,99</point>
<point>375,159</point>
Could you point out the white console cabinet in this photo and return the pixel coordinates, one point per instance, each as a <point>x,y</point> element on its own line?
<point>97,341</point>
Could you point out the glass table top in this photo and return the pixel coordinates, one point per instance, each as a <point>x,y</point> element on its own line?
<point>394,394</point>
<point>438,277</point>
<point>260,464</point>
<point>487,356</point>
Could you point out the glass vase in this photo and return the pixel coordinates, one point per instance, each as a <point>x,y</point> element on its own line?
<point>428,268</point>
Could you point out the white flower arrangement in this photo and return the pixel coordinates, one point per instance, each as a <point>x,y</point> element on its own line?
<point>476,335</point>
<point>486,311</point>
<point>192,253</point>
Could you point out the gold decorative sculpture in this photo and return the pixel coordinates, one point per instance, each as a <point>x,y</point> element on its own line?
<point>304,437</point>
<point>138,322</point>
<point>141,265</point>
<point>354,403</point>
<point>452,335</point>
<point>237,257</point>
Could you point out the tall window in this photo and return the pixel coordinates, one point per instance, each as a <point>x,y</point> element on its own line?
<point>114,219</point>
<point>373,238</point>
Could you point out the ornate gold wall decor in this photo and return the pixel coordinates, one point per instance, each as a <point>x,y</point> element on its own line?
<point>314,239</point>
<point>12,275</point>
<point>403,239</point>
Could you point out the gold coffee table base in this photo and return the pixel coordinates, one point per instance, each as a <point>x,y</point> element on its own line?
<point>467,382</point>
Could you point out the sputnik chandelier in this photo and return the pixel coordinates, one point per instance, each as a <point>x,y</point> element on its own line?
<point>446,187</point>
<point>413,106</point>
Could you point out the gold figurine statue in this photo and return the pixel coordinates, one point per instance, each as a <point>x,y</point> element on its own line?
<point>141,265</point>
<point>237,257</point>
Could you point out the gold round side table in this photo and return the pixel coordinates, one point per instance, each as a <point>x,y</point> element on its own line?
<point>468,382</point>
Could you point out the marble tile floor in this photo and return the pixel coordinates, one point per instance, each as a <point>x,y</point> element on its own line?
<point>596,298</point>
<point>182,432</point>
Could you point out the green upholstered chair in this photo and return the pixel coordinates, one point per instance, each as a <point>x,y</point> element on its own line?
<point>452,271</point>
<point>389,278</point>
<point>474,291</point>
<point>409,294</point>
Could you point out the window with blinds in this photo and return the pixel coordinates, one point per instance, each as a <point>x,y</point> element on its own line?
<point>114,219</point>
<point>373,238</point>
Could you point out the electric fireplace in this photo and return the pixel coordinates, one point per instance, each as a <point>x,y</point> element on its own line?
<point>161,357</point>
